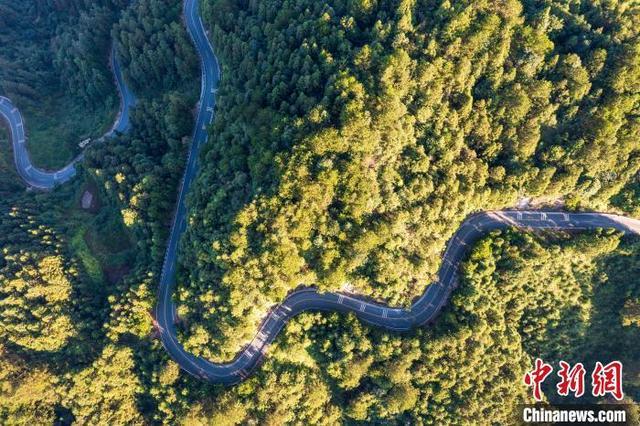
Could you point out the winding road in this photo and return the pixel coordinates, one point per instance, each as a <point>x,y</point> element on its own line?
<point>423,311</point>
<point>42,179</point>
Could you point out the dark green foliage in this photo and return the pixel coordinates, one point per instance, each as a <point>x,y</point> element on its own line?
<point>54,66</point>
<point>154,47</point>
<point>9,179</point>
<point>66,52</point>
<point>352,137</point>
<point>141,170</point>
<point>72,328</point>
<point>522,296</point>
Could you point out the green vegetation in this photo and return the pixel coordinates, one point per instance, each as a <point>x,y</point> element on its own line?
<point>57,72</point>
<point>54,138</point>
<point>352,137</point>
<point>90,263</point>
<point>9,179</point>
<point>522,296</point>
<point>77,285</point>
<point>164,59</point>
<point>36,291</point>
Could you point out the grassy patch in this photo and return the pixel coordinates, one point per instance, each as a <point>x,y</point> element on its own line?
<point>55,129</point>
<point>107,235</point>
<point>99,238</point>
<point>91,265</point>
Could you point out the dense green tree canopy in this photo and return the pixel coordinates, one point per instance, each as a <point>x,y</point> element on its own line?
<point>352,137</point>
<point>66,51</point>
<point>154,47</point>
<point>522,296</point>
<point>35,296</point>
<point>55,67</point>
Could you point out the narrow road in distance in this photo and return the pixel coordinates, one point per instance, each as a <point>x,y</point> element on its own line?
<point>45,180</point>
<point>423,311</point>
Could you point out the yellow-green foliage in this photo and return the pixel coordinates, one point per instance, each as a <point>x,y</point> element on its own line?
<point>522,296</point>
<point>352,138</point>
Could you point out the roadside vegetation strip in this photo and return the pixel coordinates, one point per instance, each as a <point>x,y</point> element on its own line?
<point>44,179</point>
<point>423,311</point>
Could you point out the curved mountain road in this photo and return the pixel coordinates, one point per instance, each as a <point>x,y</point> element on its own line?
<point>42,179</point>
<point>424,310</point>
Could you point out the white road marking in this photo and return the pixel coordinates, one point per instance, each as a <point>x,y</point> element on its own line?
<point>186,359</point>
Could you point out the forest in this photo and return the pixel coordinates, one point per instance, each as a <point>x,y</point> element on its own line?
<point>351,138</point>
<point>555,296</point>
<point>54,66</point>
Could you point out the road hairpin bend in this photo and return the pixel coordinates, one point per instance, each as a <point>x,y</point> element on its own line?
<point>423,311</point>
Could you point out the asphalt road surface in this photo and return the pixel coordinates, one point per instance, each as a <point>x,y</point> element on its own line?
<point>43,179</point>
<point>424,310</point>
